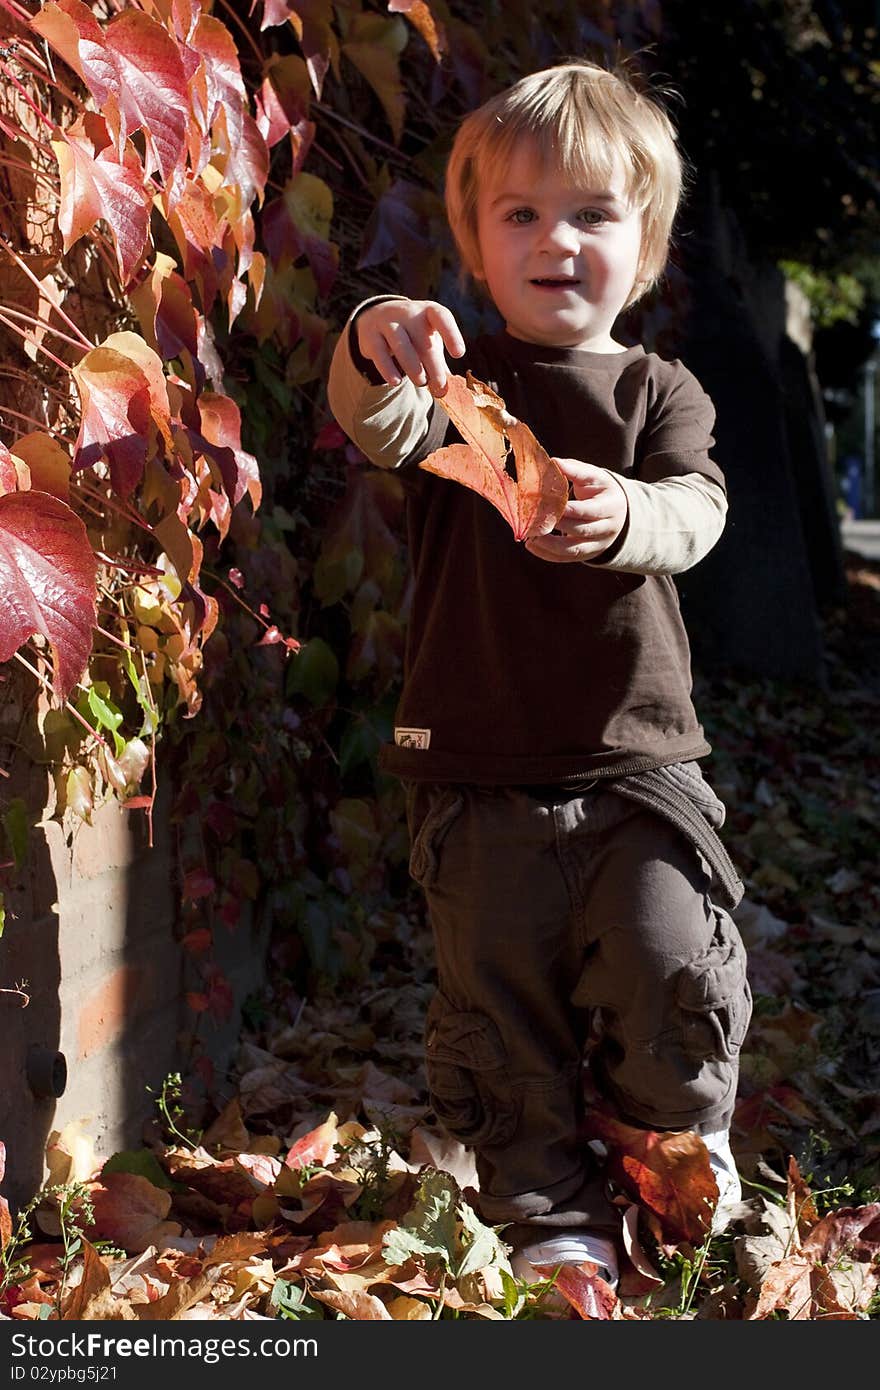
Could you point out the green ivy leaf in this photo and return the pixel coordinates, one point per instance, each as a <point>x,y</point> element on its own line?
<point>291,1302</point>
<point>314,673</point>
<point>483,1247</point>
<point>145,1164</point>
<point>430,1227</point>
<point>359,744</point>
<point>103,712</point>
<point>15,823</point>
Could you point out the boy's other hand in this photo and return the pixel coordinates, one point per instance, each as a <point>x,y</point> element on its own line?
<point>592,520</point>
<point>406,337</point>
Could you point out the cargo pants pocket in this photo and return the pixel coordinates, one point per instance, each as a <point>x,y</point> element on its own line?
<point>714,996</point>
<point>468,1078</point>
<point>431,810</point>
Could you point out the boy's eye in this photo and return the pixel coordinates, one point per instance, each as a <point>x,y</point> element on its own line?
<point>594,217</point>
<point>521,215</point>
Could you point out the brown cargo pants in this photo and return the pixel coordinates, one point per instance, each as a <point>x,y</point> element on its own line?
<point>552,913</point>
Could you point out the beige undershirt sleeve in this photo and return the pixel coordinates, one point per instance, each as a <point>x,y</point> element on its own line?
<point>385,422</point>
<point>671,524</point>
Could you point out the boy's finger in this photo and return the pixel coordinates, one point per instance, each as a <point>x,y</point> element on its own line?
<point>385,363</point>
<point>430,350</point>
<point>406,353</point>
<point>443,321</point>
<point>583,473</point>
<point>581,510</point>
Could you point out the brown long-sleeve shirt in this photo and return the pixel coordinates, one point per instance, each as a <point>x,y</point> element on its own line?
<point>518,670</point>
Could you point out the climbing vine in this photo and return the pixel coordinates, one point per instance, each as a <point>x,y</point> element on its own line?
<point>205,588</point>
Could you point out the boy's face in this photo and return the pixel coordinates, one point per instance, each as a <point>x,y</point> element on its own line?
<point>559,260</point>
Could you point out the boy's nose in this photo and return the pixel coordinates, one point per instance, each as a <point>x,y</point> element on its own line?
<point>560,236</point>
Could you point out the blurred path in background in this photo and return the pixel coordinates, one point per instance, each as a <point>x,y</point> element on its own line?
<point>861,536</point>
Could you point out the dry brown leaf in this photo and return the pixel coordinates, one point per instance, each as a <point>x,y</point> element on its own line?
<point>94,1283</point>
<point>501,459</point>
<point>182,1295</point>
<point>668,1173</point>
<point>362,1307</point>
<point>131,1211</point>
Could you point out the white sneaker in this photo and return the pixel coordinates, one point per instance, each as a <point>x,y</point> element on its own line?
<point>723,1166</point>
<point>567,1248</point>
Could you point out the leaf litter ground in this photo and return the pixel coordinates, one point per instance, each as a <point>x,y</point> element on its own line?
<point>322,1188</point>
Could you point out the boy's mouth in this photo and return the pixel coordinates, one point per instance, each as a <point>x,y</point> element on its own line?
<point>556,281</point>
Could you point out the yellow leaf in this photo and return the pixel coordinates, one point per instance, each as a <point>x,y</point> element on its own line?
<point>405,1309</point>
<point>79,793</point>
<point>48,461</point>
<point>374,44</point>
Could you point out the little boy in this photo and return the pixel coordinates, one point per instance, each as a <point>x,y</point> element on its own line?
<point>560,825</point>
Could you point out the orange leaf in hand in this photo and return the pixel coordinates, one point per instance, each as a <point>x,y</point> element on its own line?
<point>501,459</point>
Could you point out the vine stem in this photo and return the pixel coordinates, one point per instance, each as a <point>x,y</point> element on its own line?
<point>244,29</point>
<point>115,506</point>
<point>359,129</point>
<point>71,709</point>
<point>31,58</point>
<point>14,328</point>
<point>116,562</point>
<point>31,420</point>
<point>20,991</point>
<point>4,67</point>
<point>16,374</point>
<point>231,590</point>
<point>152,804</point>
<point>10,251</point>
<point>17,11</point>
<point>41,323</point>
<point>111,638</point>
<point>9,163</point>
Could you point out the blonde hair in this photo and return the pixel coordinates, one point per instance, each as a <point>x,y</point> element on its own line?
<point>584,120</point>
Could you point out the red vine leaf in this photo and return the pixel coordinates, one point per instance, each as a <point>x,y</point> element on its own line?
<point>135,72</point>
<point>198,883</point>
<point>283,105</point>
<point>418,12</point>
<point>47,578</point>
<point>668,1173</point>
<point>246,166</point>
<point>116,404</point>
<point>224,86</point>
<point>165,310</point>
<point>96,183</point>
<point>406,223</point>
<point>5,1217</point>
<point>130,345</point>
<point>195,224</point>
<point>15,476</point>
<point>533,500</point>
<point>221,428</point>
<point>311,22</point>
<point>67,25</point>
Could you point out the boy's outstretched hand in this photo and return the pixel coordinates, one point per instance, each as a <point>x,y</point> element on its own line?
<point>592,520</point>
<point>407,336</point>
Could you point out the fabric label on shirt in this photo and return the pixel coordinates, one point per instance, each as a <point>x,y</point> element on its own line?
<point>412,738</point>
